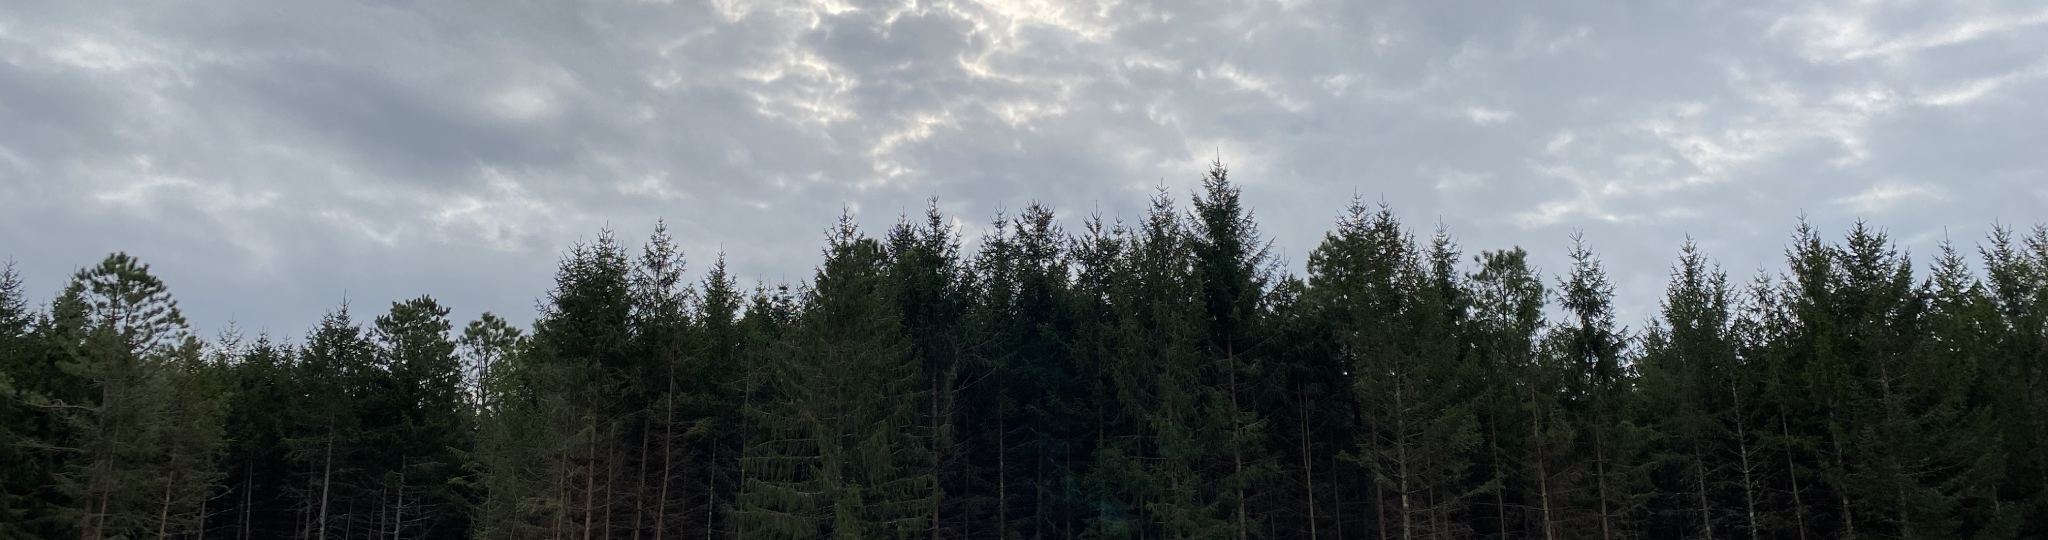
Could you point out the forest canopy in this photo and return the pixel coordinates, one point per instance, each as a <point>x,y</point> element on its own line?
<point>1160,378</point>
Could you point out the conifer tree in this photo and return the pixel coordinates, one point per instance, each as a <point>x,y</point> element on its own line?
<point>841,453</point>
<point>336,363</point>
<point>1518,408</point>
<point>1952,447</point>
<point>1691,393</point>
<point>1598,388</point>
<point>927,285</point>
<point>143,423</point>
<point>423,448</point>
<point>1234,270</point>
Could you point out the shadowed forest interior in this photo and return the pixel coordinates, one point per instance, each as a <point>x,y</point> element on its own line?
<point>1158,378</point>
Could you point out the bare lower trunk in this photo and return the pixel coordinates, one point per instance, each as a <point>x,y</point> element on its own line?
<point>640,485</point>
<point>1792,472</point>
<point>711,492</point>
<point>326,480</point>
<point>590,480</point>
<point>1002,477</point>
<point>398,509</point>
<point>1742,452</point>
<point>163,515</point>
<point>1236,440</point>
<point>667,462</point>
<point>1308,469</point>
<point>935,457</point>
<point>1600,478</point>
<point>1699,471</point>
<point>1401,458</point>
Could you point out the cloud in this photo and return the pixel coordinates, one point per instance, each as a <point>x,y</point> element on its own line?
<point>271,161</point>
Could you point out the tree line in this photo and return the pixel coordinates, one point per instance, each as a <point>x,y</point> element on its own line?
<point>1162,378</point>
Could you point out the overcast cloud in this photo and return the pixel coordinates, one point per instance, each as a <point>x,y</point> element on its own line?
<point>270,158</point>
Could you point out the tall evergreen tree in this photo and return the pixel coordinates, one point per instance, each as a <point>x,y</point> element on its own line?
<point>1518,408</point>
<point>1598,391</point>
<point>423,448</point>
<point>1234,271</point>
<point>144,424</point>
<point>841,453</point>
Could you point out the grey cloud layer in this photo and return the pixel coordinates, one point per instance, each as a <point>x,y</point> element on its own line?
<point>272,159</point>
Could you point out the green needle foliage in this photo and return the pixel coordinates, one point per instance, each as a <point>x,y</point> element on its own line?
<point>1164,377</point>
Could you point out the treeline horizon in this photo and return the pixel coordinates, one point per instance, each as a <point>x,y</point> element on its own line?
<point>1163,378</point>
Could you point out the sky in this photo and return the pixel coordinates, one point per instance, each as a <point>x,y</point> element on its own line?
<point>272,159</point>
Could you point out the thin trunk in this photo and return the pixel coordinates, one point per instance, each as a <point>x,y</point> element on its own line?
<point>711,491</point>
<point>1401,458</point>
<point>199,519</point>
<point>1500,506</point>
<point>590,478</point>
<point>935,456</point>
<point>1002,474</point>
<point>1379,507</point>
<point>1699,472</point>
<point>1308,469</point>
<point>1337,501</point>
<point>1236,438</point>
<point>1600,478</point>
<point>163,515</point>
<point>326,481</point>
<point>248,478</point>
<point>398,495</point>
<point>667,461</point>
<point>1848,514</point>
<point>1792,472</point>
<point>1742,452</point>
<point>561,497</point>
<point>611,478</point>
<point>640,484</point>
<point>1542,472</point>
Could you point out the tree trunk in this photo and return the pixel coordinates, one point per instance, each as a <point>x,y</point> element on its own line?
<point>640,484</point>
<point>326,481</point>
<point>1600,478</point>
<point>398,508</point>
<point>1236,438</point>
<point>1792,472</point>
<point>163,515</point>
<point>1308,467</point>
<point>590,478</point>
<point>1401,458</point>
<point>667,461</point>
<point>1699,472</point>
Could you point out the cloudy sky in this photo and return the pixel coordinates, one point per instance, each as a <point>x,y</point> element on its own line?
<point>271,158</point>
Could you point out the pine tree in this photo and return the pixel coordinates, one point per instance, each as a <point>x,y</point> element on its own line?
<point>141,425</point>
<point>423,452</point>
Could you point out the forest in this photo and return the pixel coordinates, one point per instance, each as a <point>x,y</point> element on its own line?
<point>1159,378</point>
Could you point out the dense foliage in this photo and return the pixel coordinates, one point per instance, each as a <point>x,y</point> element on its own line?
<point>1156,379</point>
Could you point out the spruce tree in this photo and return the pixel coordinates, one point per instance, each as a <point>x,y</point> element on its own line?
<point>1598,389</point>
<point>841,453</point>
<point>1234,270</point>
<point>1517,402</point>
